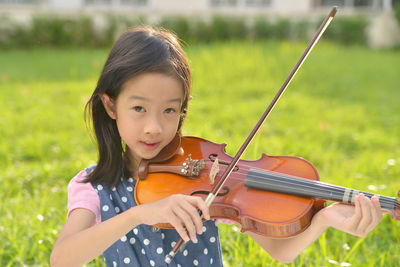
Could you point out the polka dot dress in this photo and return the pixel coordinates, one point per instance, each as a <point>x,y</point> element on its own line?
<point>146,245</point>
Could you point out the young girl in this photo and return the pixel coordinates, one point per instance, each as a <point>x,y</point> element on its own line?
<point>137,108</point>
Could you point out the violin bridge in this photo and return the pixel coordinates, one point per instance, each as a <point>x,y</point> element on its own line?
<point>214,171</point>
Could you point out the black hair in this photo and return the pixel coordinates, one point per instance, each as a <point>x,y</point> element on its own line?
<point>137,51</point>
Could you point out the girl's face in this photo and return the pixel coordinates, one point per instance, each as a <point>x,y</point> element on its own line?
<point>147,113</point>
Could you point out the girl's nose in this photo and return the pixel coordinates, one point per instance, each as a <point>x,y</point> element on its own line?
<point>153,125</point>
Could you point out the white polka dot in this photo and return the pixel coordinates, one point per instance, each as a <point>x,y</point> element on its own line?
<point>162,236</point>
<point>132,240</point>
<point>117,209</point>
<point>212,239</point>
<point>185,252</point>
<point>129,188</point>
<point>99,187</point>
<point>179,265</point>
<point>152,263</point>
<point>114,189</point>
<point>143,252</point>
<point>146,241</point>
<point>124,199</point>
<point>123,239</point>
<point>159,250</point>
<point>211,261</point>
<point>135,231</point>
<point>105,208</point>
<point>127,260</point>
<point>130,180</point>
<point>196,262</point>
<point>205,251</point>
<point>173,244</point>
<point>204,229</point>
<point>110,196</point>
<point>114,264</point>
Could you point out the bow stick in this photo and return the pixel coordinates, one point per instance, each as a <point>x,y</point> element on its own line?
<point>210,198</point>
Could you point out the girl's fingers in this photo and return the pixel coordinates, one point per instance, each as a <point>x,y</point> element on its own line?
<point>192,211</point>
<point>176,223</point>
<point>375,212</point>
<point>201,205</point>
<point>377,207</point>
<point>181,211</point>
<point>355,220</point>
<point>186,220</point>
<point>366,207</point>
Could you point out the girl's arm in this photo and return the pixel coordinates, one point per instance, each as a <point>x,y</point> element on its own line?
<point>79,243</point>
<point>357,220</point>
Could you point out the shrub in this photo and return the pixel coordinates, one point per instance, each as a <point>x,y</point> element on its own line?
<point>179,25</point>
<point>396,9</point>
<point>263,28</point>
<point>81,31</point>
<point>348,30</point>
<point>226,28</point>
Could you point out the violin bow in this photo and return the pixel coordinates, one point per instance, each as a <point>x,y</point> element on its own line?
<point>210,198</point>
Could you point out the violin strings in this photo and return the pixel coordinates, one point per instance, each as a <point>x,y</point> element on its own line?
<point>337,189</point>
<point>330,189</point>
<point>309,189</point>
<point>327,188</point>
<point>339,193</point>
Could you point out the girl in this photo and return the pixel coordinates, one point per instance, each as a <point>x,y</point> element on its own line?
<point>137,108</point>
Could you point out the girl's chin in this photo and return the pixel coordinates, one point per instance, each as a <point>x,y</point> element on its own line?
<point>146,154</point>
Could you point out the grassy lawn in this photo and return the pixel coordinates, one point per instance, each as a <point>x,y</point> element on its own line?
<point>341,112</point>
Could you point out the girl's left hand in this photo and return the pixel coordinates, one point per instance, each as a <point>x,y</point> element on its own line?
<point>357,220</point>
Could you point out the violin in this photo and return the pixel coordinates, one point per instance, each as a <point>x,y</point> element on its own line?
<point>274,196</point>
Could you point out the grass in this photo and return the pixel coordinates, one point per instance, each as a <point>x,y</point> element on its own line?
<point>340,113</point>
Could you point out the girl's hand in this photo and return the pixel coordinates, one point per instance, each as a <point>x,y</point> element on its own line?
<point>178,210</point>
<point>357,220</point>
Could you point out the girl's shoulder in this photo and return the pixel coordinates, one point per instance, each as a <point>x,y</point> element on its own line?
<point>83,195</point>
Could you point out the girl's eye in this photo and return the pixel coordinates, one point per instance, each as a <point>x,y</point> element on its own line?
<point>170,110</point>
<point>138,109</point>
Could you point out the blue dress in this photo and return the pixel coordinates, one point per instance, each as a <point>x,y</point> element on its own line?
<point>146,245</point>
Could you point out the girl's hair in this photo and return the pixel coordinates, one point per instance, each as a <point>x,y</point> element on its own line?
<point>138,50</point>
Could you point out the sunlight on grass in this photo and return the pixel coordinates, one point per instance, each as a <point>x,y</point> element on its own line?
<point>340,113</point>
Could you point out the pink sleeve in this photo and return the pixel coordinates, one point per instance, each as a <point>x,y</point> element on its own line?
<point>83,195</point>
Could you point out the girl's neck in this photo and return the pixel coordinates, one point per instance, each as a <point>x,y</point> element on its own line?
<point>132,163</point>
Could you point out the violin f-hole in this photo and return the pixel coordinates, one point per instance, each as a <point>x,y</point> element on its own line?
<point>205,192</point>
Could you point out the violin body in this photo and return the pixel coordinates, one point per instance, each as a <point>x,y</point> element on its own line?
<point>270,214</point>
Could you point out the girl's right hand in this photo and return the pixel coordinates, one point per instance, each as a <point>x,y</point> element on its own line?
<point>178,210</point>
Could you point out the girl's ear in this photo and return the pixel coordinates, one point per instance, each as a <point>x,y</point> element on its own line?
<point>109,105</point>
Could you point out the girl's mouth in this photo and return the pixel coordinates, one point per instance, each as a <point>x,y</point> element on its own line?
<point>150,146</point>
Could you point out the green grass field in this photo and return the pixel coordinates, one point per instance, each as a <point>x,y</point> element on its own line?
<point>341,112</point>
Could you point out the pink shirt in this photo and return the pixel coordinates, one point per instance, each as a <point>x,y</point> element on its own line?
<point>83,196</point>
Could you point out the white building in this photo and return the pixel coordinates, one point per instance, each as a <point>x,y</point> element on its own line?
<point>384,30</point>
<point>198,7</point>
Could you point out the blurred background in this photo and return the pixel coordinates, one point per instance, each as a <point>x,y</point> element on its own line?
<point>341,111</point>
<point>27,23</point>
